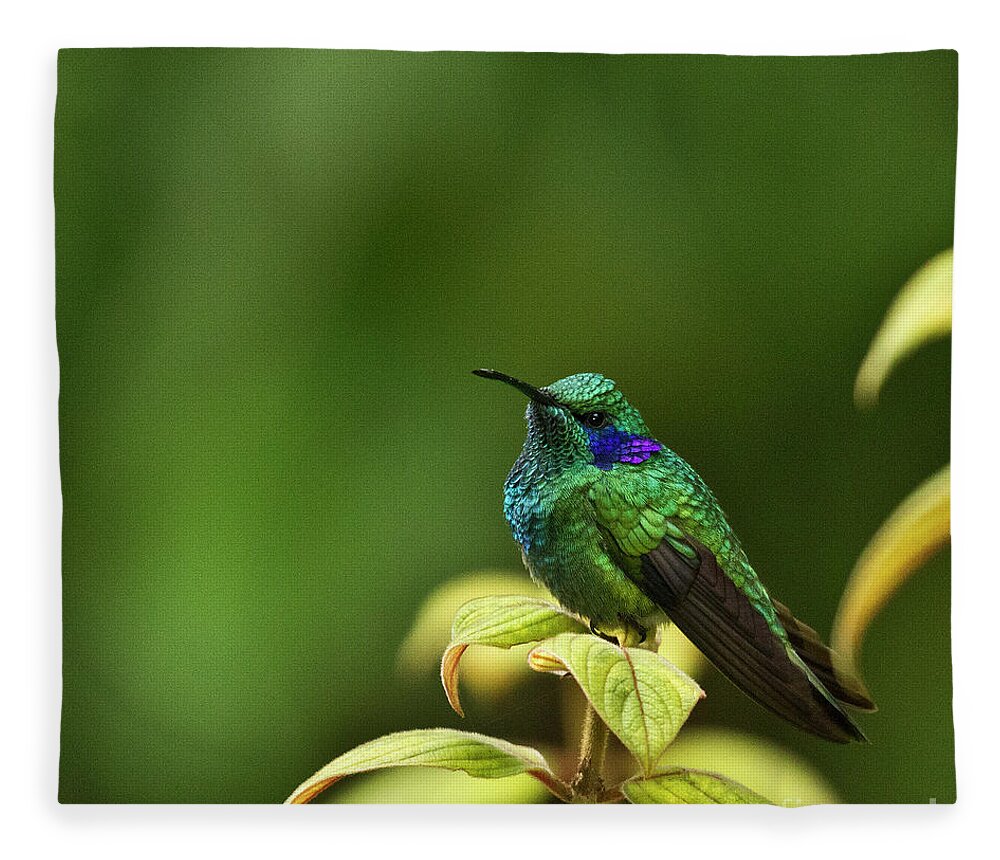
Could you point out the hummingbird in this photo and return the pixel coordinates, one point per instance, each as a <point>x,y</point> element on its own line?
<point>625,534</point>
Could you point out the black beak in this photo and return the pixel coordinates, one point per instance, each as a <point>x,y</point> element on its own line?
<point>535,394</point>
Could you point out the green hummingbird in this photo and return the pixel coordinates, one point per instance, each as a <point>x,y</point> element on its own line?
<point>624,533</point>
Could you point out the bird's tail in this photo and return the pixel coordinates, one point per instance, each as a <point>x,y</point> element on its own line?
<point>824,663</point>
<point>787,674</point>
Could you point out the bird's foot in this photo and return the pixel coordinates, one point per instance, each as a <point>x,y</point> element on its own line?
<point>630,634</point>
<point>612,639</point>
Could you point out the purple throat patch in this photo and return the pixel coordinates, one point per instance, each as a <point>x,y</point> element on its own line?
<point>611,446</point>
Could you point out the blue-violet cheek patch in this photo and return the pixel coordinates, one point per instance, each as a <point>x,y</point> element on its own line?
<point>610,445</point>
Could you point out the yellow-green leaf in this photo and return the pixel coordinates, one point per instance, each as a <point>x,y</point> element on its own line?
<point>762,766</point>
<point>505,621</point>
<point>920,312</point>
<point>680,785</point>
<point>641,697</point>
<point>499,622</point>
<point>490,675</point>
<point>477,755</point>
<point>919,527</point>
<point>430,633</point>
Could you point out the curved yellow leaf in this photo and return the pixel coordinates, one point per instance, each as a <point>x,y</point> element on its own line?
<point>490,674</point>
<point>499,622</point>
<point>921,311</point>
<point>919,527</point>
<point>431,630</point>
<point>477,755</point>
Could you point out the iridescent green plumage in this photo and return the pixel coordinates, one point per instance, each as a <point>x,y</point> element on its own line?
<point>625,533</point>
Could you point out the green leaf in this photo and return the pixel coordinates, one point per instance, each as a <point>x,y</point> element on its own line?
<point>914,531</point>
<point>762,766</point>
<point>429,635</point>
<point>502,622</point>
<point>477,755</point>
<point>680,785</point>
<point>641,697</point>
<point>489,674</point>
<point>920,312</point>
<point>499,622</point>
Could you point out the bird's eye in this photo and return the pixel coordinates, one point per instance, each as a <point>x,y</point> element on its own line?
<point>595,420</point>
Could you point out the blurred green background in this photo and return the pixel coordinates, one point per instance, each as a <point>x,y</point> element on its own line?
<point>275,270</point>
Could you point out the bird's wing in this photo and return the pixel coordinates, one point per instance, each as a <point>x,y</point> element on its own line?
<point>683,577</point>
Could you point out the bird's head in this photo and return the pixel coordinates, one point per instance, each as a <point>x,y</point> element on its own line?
<point>582,420</point>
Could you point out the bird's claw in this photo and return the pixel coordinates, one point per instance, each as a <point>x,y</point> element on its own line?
<point>612,639</point>
<point>625,637</point>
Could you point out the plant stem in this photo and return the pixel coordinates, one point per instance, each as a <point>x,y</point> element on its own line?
<point>588,783</point>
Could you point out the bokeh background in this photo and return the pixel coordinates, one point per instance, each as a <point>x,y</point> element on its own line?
<point>275,270</point>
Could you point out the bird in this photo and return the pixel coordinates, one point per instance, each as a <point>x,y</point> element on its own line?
<point>625,534</point>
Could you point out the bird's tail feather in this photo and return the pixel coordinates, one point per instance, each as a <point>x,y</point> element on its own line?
<point>728,629</point>
<point>824,663</point>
